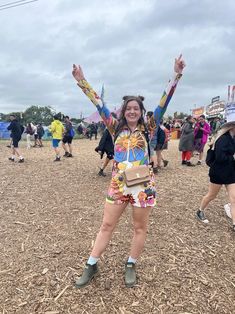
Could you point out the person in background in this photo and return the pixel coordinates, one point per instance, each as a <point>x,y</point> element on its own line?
<point>16,132</point>
<point>106,146</point>
<point>201,133</point>
<point>80,129</point>
<point>152,133</point>
<point>186,143</point>
<point>162,143</point>
<point>93,130</point>
<point>68,137</point>
<point>35,136</point>
<point>29,132</point>
<point>222,171</point>
<point>40,132</point>
<point>57,130</point>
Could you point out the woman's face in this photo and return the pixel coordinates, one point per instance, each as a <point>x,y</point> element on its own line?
<point>133,112</point>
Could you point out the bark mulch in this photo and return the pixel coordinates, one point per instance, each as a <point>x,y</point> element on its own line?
<point>50,213</point>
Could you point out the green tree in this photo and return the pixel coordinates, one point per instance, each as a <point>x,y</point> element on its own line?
<point>77,121</point>
<point>180,115</point>
<point>37,114</point>
<point>6,117</point>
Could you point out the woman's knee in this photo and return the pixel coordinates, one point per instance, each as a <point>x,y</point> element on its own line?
<point>107,227</point>
<point>140,228</point>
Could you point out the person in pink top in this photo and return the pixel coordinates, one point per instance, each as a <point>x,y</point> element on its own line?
<point>201,133</point>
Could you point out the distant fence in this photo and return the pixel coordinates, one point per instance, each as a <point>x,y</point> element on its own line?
<point>4,133</point>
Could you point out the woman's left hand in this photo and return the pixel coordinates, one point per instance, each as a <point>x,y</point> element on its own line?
<point>179,65</point>
<point>78,73</point>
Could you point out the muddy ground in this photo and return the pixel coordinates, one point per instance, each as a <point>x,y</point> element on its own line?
<point>50,213</point>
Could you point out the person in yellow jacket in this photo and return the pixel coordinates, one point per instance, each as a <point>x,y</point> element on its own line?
<point>57,130</point>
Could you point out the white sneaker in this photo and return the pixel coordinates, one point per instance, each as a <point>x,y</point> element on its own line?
<point>228,210</point>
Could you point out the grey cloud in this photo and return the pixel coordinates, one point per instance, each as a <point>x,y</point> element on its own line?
<point>128,45</point>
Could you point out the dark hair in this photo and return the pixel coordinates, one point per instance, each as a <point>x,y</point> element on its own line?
<point>202,116</point>
<point>122,119</point>
<point>114,115</point>
<point>149,114</point>
<point>56,117</point>
<point>188,118</point>
<point>66,117</point>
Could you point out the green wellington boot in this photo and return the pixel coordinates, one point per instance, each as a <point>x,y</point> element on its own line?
<point>89,272</point>
<point>130,275</point>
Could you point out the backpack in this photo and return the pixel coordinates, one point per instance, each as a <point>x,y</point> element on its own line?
<point>71,132</point>
<point>210,156</point>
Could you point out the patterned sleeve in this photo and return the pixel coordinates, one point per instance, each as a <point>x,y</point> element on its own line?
<point>166,97</point>
<point>104,112</point>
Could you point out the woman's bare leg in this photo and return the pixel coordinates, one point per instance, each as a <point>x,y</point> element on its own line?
<point>140,222</point>
<point>211,195</point>
<point>111,217</point>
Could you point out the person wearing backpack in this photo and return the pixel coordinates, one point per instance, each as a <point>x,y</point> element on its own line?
<point>16,131</point>
<point>68,137</point>
<point>57,129</point>
<point>133,182</point>
<point>222,170</point>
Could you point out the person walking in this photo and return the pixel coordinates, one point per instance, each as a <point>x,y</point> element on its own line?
<point>68,137</point>
<point>29,132</point>
<point>57,130</point>
<point>162,143</point>
<point>16,132</point>
<point>201,133</point>
<point>105,147</point>
<point>222,171</point>
<point>186,143</point>
<point>130,155</point>
<point>40,132</point>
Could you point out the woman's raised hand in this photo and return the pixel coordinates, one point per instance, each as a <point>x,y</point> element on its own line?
<point>77,73</point>
<point>179,65</point>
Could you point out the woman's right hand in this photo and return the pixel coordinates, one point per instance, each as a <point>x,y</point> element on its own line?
<point>77,73</point>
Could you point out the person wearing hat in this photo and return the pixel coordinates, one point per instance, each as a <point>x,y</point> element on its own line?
<point>222,169</point>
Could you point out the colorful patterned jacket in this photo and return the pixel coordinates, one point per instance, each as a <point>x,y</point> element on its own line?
<point>130,148</point>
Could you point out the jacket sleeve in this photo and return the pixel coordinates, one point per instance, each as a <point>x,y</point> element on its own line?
<point>166,97</point>
<point>207,129</point>
<point>9,128</point>
<point>52,128</point>
<point>223,153</point>
<point>104,112</point>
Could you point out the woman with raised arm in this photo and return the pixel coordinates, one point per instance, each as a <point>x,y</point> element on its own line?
<point>132,180</point>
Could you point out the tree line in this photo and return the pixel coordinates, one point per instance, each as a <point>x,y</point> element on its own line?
<point>36,114</point>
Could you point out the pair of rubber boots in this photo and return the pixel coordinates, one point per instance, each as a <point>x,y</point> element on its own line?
<point>91,271</point>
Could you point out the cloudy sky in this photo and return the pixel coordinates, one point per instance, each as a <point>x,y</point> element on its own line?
<point>129,45</point>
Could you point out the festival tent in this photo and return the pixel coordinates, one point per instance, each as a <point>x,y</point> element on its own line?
<point>4,133</point>
<point>96,117</point>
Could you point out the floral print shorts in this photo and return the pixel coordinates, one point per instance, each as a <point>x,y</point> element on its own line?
<point>143,195</point>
